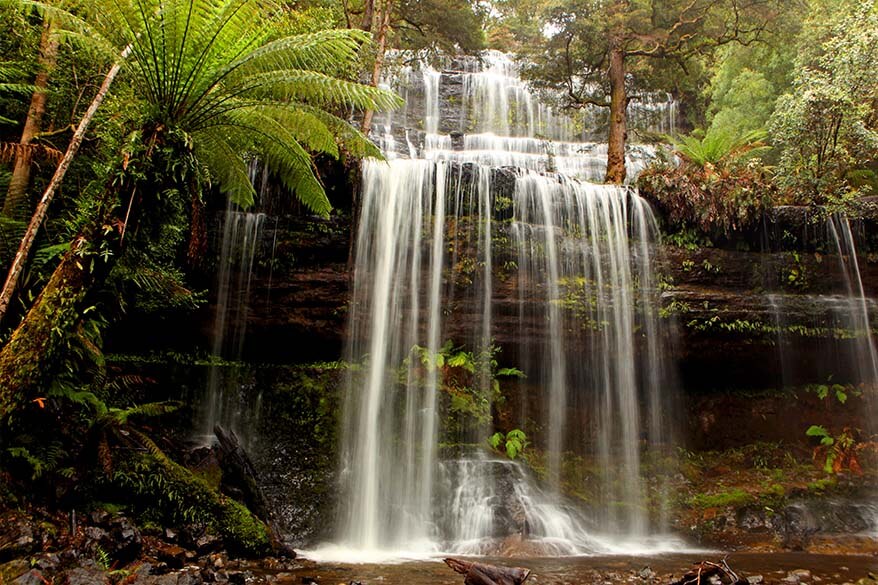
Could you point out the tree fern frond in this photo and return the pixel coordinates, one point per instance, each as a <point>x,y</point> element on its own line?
<point>10,73</point>
<point>228,30</point>
<point>280,151</point>
<point>319,51</point>
<point>76,29</point>
<point>307,128</point>
<point>225,164</point>
<point>215,70</point>
<point>318,89</point>
<point>356,143</point>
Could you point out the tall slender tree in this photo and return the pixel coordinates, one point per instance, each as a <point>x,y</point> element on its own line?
<point>20,180</point>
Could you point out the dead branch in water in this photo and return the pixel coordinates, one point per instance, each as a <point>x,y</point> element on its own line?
<point>702,572</point>
<point>481,574</point>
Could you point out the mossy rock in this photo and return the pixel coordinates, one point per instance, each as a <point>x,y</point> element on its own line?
<point>170,491</point>
<point>12,569</point>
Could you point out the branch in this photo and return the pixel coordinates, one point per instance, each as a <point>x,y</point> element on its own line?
<point>582,103</point>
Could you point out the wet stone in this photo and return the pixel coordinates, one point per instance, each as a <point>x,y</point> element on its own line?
<point>32,577</point>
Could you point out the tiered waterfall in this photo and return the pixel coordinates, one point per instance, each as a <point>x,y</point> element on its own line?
<point>482,228</point>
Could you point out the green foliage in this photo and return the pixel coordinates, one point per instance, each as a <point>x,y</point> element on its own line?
<point>102,559</point>
<point>747,80</point>
<point>733,498</point>
<point>222,75</point>
<point>841,392</point>
<point>826,127</point>
<point>439,25</point>
<point>513,442</point>
<point>718,147</point>
<point>469,382</point>
<point>687,238</point>
<point>796,276</point>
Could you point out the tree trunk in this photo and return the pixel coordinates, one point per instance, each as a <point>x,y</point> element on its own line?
<point>26,359</point>
<point>42,207</point>
<point>618,125</point>
<point>384,20</point>
<point>18,184</point>
<point>368,13</point>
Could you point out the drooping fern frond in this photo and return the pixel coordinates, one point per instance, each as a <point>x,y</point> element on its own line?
<point>120,416</point>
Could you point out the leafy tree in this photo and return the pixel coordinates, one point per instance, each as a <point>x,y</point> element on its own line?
<point>604,53</point>
<point>431,25</point>
<point>827,125</point>
<point>217,84</point>
<point>746,83</point>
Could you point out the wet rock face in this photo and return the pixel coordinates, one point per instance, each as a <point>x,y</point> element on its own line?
<point>796,525</point>
<point>743,317</point>
<point>19,536</point>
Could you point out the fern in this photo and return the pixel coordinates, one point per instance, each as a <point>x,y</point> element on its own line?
<point>718,147</point>
<point>120,416</point>
<point>215,70</point>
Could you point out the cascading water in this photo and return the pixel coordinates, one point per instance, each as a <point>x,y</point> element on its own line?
<point>857,313</point>
<point>848,354</point>
<point>224,403</point>
<point>452,245</point>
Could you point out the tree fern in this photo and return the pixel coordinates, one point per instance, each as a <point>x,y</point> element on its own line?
<point>216,70</point>
<point>717,147</point>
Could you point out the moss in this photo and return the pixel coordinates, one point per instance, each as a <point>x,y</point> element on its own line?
<point>12,569</point>
<point>735,497</point>
<point>166,490</point>
<point>821,485</point>
<point>241,530</point>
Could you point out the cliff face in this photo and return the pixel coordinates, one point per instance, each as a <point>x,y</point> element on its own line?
<point>740,314</point>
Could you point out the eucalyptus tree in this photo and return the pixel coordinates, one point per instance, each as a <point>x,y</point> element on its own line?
<point>217,82</point>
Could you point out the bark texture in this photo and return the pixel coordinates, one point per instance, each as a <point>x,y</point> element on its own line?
<point>618,123</point>
<point>381,37</point>
<point>14,204</point>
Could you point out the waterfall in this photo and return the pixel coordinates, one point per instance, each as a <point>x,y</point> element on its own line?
<point>856,315</point>
<point>225,403</point>
<point>470,237</point>
<point>846,353</point>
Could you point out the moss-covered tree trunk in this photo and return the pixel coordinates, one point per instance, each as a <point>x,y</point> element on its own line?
<point>37,344</point>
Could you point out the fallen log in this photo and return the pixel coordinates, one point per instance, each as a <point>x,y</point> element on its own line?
<point>705,573</point>
<point>481,574</point>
